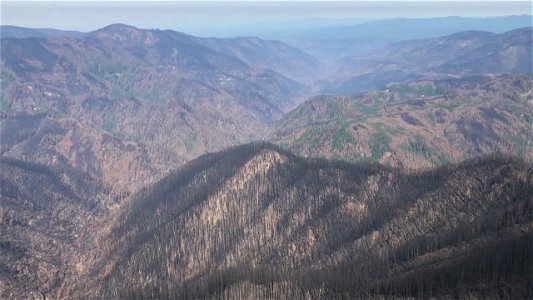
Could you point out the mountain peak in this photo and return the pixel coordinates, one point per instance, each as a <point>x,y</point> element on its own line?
<point>117,26</point>
<point>122,33</point>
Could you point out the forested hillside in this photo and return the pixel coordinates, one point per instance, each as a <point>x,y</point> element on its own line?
<point>172,95</point>
<point>416,125</point>
<point>257,221</point>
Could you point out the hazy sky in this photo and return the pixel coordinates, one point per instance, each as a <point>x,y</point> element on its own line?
<point>213,17</point>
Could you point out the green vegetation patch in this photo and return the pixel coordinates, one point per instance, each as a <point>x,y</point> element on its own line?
<point>122,80</point>
<point>342,137</point>
<point>190,141</point>
<point>379,143</point>
<point>418,146</point>
<point>414,90</point>
<point>312,137</point>
<point>431,118</point>
<point>4,105</point>
<point>7,80</point>
<point>520,144</point>
<point>58,114</point>
<point>103,69</point>
<point>515,109</point>
<point>450,106</point>
<point>333,109</point>
<point>152,94</point>
<point>367,110</point>
<point>110,123</point>
<point>117,93</point>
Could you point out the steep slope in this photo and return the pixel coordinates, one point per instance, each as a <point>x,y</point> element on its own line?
<point>65,143</point>
<point>456,55</point>
<point>160,90</point>
<point>419,124</point>
<point>47,216</point>
<point>256,221</point>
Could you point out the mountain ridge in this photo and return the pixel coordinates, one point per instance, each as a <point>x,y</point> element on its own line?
<point>191,233</point>
<point>148,86</point>
<point>218,202</point>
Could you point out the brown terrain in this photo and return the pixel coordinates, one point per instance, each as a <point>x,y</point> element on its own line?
<point>257,221</point>
<point>159,98</point>
<point>416,125</point>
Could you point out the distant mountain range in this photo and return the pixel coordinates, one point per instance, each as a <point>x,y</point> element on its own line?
<point>418,124</point>
<point>333,39</point>
<point>334,42</point>
<point>452,56</point>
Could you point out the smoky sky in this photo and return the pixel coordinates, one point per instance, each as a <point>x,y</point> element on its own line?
<point>234,18</point>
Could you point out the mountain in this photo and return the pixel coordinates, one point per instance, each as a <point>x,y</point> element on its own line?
<point>457,55</point>
<point>334,42</point>
<point>257,221</point>
<point>418,124</point>
<point>8,31</point>
<point>169,95</point>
